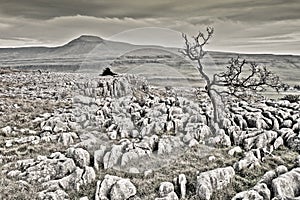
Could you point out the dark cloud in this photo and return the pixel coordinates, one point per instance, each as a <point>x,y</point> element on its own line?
<point>232,9</point>
<point>113,8</point>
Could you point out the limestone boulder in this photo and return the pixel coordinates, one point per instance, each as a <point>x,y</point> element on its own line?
<point>122,189</point>
<point>287,185</point>
<point>210,181</point>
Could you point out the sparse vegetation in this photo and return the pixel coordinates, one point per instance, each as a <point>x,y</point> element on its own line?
<point>291,98</point>
<point>297,87</point>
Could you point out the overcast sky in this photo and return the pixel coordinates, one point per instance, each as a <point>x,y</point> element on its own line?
<point>255,26</point>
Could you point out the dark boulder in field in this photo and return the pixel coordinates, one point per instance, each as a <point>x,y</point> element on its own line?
<point>108,72</point>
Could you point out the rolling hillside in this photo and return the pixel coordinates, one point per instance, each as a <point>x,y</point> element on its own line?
<point>92,54</point>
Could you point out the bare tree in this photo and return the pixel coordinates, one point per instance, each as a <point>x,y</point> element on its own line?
<point>240,79</point>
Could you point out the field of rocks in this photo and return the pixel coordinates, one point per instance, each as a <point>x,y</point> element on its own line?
<point>85,136</point>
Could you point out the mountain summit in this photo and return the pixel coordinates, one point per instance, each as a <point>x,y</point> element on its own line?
<point>86,39</point>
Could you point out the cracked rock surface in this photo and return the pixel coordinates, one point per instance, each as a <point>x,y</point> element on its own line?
<point>78,136</point>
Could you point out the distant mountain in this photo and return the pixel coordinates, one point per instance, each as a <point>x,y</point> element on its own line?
<point>91,53</point>
<point>85,39</point>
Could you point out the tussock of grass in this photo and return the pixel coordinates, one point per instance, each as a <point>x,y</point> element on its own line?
<point>12,190</point>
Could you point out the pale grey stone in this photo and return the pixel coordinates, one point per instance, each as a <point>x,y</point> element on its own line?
<point>287,185</point>
<point>165,188</point>
<point>122,189</point>
<point>217,179</point>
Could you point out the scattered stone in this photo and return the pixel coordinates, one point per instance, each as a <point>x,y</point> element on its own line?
<point>287,185</point>
<point>56,195</point>
<point>278,142</point>
<point>211,158</point>
<point>210,181</point>
<point>165,188</point>
<point>112,157</point>
<point>148,173</point>
<point>6,131</point>
<point>89,175</point>
<point>235,150</point>
<point>122,189</point>
<point>182,183</point>
<point>248,195</point>
<point>166,192</point>
<point>67,138</point>
<point>250,160</point>
<point>166,145</point>
<point>80,156</point>
<point>98,157</point>
<point>134,170</point>
<point>114,188</point>
<point>104,187</point>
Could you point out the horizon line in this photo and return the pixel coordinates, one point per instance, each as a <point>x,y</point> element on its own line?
<point>138,44</point>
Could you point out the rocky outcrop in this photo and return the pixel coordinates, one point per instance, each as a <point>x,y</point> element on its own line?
<point>166,192</point>
<point>250,160</point>
<point>122,189</point>
<point>80,156</point>
<point>287,185</point>
<point>262,190</point>
<point>56,173</point>
<point>114,188</point>
<point>57,195</point>
<point>6,131</point>
<point>210,181</point>
<point>182,181</point>
<point>107,123</point>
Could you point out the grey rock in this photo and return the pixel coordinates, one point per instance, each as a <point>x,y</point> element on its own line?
<point>67,138</point>
<point>258,139</point>
<point>148,173</point>
<point>89,175</point>
<point>235,150</point>
<point>113,157</point>
<point>98,157</point>
<point>122,189</point>
<point>13,173</point>
<point>297,161</point>
<point>249,161</point>
<point>263,190</point>
<point>287,123</point>
<point>193,142</point>
<point>182,183</point>
<point>135,133</point>
<point>217,179</point>
<point>42,170</point>
<point>248,195</point>
<point>106,186</point>
<point>165,188</point>
<point>287,185</point>
<point>221,139</point>
<point>72,181</point>
<point>134,170</point>
<point>170,196</point>
<point>80,156</point>
<point>6,131</point>
<point>61,127</point>
<point>55,195</point>
<point>268,177</point>
<point>166,145</point>
<point>281,169</point>
<point>278,142</point>
<point>132,155</point>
